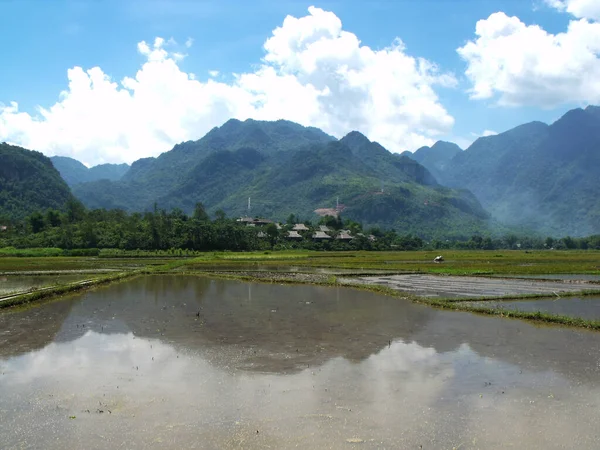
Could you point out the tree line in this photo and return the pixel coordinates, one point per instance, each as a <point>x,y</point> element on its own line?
<point>79,228</point>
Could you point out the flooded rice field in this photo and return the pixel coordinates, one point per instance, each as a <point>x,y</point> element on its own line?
<point>584,307</point>
<point>190,362</point>
<point>468,286</point>
<point>559,276</point>
<point>20,283</point>
<point>260,267</point>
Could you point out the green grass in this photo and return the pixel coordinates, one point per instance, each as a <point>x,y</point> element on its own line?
<point>457,262</point>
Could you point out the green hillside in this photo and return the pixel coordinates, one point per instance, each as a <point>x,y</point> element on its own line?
<point>74,172</point>
<point>286,168</point>
<point>543,177</point>
<point>29,182</point>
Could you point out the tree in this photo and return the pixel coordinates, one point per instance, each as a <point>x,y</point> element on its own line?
<point>220,215</point>
<point>75,210</point>
<point>200,213</point>
<point>36,221</point>
<point>273,233</point>
<point>53,218</point>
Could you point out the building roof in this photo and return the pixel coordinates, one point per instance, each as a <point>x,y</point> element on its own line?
<point>255,221</point>
<point>262,234</point>
<point>343,236</point>
<point>324,228</point>
<point>294,235</point>
<point>300,227</point>
<point>321,235</point>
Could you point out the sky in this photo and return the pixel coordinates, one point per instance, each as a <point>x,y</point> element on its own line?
<point>107,81</point>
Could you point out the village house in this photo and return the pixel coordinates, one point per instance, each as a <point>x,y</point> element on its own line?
<point>344,235</point>
<point>300,227</point>
<point>320,236</point>
<point>324,228</point>
<point>294,235</point>
<point>252,222</point>
<point>3,228</point>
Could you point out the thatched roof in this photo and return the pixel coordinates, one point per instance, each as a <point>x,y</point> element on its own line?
<point>293,235</point>
<point>300,227</point>
<point>324,228</point>
<point>321,235</point>
<point>343,236</point>
<point>262,234</point>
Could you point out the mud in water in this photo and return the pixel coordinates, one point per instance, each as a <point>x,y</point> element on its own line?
<point>455,286</point>
<point>584,307</point>
<point>21,283</point>
<point>186,362</point>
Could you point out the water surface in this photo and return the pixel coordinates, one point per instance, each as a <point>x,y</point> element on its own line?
<point>20,283</point>
<point>186,362</point>
<point>584,307</point>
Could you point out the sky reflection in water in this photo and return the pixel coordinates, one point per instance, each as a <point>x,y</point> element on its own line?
<point>302,366</point>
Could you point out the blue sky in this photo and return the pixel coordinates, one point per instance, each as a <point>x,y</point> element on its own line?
<point>42,40</point>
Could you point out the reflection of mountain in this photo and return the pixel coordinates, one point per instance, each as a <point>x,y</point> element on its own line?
<point>275,328</point>
<point>285,327</point>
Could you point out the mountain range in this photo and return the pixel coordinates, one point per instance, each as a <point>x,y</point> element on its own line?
<point>538,176</point>
<point>75,172</point>
<point>285,168</point>
<point>535,177</point>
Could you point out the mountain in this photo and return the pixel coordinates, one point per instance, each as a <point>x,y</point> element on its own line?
<point>286,168</point>
<point>29,182</point>
<point>436,157</point>
<point>538,176</point>
<point>74,172</point>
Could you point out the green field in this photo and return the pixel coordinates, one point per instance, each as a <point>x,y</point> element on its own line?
<point>457,262</point>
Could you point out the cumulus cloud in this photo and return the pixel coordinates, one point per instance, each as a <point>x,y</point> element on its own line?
<point>525,65</point>
<point>579,8</point>
<point>313,72</point>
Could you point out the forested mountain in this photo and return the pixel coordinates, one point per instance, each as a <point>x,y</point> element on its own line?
<point>286,168</point>
<point>28,183</point>
<point>74,172</point>
<point>543,177</point>
<point>436,157</point>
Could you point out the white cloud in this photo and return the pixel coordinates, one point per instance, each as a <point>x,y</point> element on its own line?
<point>589,9</point>
<point>489,133</point>
<point>525,65</point>
<point>189,42</point>
<point>213,73</point>
<point>313,72</point>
